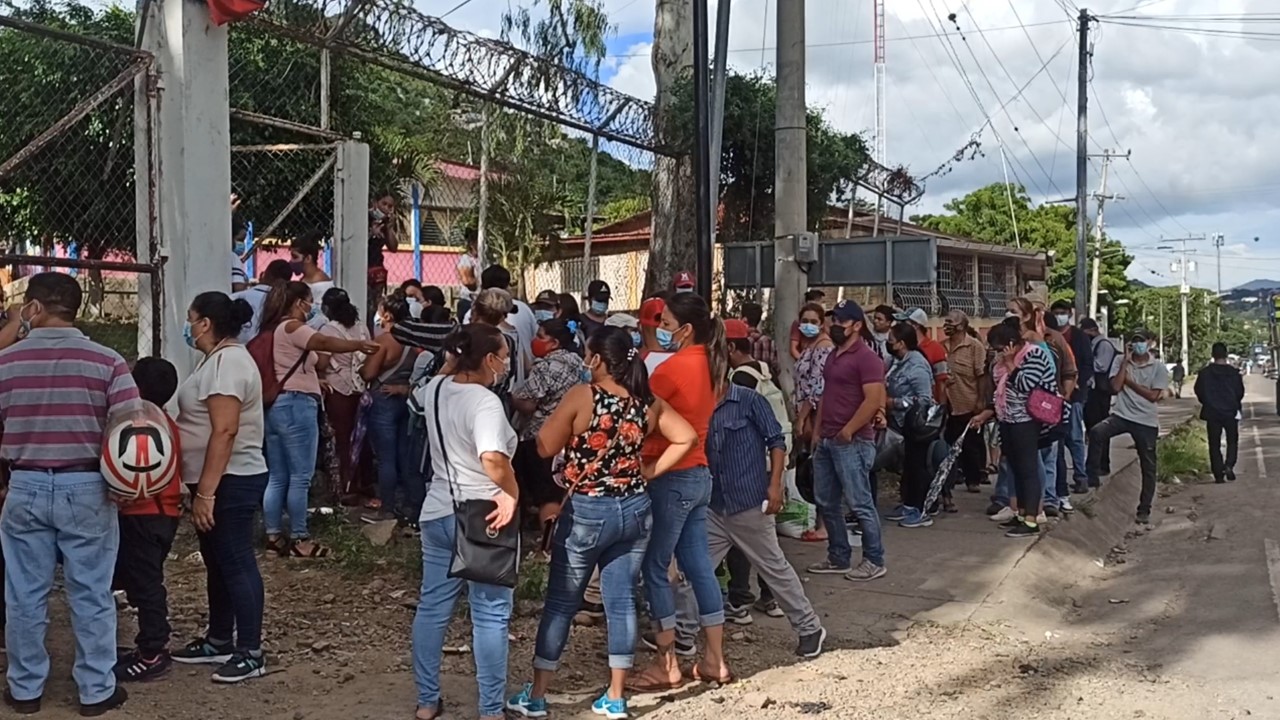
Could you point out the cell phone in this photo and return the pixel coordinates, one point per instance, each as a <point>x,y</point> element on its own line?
<point>548,532</point>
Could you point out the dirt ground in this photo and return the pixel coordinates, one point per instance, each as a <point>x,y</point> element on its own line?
<point>338,644</point>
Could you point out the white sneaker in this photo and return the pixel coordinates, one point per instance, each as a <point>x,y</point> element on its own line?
<point>1066,506</point>
<point>1041,519</point>
<point>1005,515</point>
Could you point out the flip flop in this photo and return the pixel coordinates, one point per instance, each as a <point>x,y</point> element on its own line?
<point>696,673</point>
<point>811,536</point>
<point>642,683</point>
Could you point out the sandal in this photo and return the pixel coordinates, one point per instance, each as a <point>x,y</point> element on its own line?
<point>317,551</point>
<point>696,673</point>
<point>812,536</point>
<point>642,682</point>
<point>279,546</point>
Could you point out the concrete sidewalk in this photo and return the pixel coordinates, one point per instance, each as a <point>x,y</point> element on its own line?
<point>947,572</point>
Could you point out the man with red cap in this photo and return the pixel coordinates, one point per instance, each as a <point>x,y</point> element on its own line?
<point>685,282</point>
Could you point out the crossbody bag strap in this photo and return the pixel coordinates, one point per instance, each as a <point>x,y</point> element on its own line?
<point>444,451</point>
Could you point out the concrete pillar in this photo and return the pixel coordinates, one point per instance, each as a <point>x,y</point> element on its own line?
<point>351,221</point>
<point>193,144</point>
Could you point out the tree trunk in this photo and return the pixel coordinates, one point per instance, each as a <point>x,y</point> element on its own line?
<point>673,238</point>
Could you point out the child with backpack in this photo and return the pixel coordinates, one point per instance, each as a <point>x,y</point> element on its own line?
<point>147,529</point>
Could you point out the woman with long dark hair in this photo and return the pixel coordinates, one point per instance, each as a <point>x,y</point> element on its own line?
<point>1021,367</point>
<point>293,428</point>
<point>556,368</point>
<point>343,386</point>
<point>816,347</point>
<point>690,381</point>
<point>471,448</point>
<point>605,521</point>
<point>220,422</point>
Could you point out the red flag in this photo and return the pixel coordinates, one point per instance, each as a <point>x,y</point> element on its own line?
<point>225,11</point>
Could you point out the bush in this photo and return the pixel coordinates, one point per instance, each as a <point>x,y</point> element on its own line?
<point>1183,453</point>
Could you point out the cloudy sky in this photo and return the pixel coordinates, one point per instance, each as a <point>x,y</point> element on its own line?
<point>1196,105</point>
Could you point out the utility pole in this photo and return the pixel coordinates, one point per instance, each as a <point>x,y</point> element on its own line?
<point>1184,266</point>
<point>1218,241</point>
<point>719,64</point>
<point>1082,156</point>
<point>790,175</point>
<point>1102,197</point>
<point>702,151</point>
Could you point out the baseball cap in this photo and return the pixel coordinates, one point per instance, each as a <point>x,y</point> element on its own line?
<point>621,320</point>
<point>1089,324</point>
<point>684,279</point>
<point>598,290</point>
<point>651,312</point>
<point>548,296</point>
<point>915,315</point>
<point>848,311</point>
<point>1138,335</point>
<point>735,329</point>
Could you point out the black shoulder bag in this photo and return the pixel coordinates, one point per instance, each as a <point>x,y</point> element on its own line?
<point>479,553</point>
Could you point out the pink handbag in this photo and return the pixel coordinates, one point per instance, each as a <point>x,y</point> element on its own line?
<point>1044,407</point>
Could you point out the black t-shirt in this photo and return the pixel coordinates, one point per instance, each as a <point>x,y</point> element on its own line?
<point>589,326</point>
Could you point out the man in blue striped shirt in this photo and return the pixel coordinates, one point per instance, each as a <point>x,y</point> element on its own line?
<point>746,452</point>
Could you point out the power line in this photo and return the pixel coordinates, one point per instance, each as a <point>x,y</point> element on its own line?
<point>1206,32</point>
<point>455,9</point>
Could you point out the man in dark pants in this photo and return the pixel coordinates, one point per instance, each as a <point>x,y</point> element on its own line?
<point>1220,390</point>
<point>1139,385</point>
<point>1064,313</point>
<point>1097,406</point>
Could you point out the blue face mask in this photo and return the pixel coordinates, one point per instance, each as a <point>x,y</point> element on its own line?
<point>313,313</point>
<point>238,247</point>
<point>666,339</point>
<point>544,315</point>
<point>586,375</point>
<point>1140,348</point>
<point>188,336</point>
<point>599,307</point>
<point>809,330</point>
<point>636,339</point>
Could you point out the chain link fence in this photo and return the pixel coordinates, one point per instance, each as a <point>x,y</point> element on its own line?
<point>76,193</point>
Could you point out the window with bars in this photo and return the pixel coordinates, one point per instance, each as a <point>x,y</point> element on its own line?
<point>995,286</point>
<point>956,287</point>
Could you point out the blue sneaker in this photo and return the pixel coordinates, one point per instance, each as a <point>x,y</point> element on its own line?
<point>524,704</point>
<point>897,513</point>
<point>614,709</point>
<point>914,518</point>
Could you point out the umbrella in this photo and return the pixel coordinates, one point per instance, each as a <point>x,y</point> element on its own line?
<point>940,477</point>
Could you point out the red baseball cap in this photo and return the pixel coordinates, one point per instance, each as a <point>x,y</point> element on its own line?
<point>651,312</point>
<point>735,329</point>
<point>685,279</point>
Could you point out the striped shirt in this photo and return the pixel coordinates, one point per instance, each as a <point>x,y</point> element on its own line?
<point>743,431</point>
<point>1034,371</point>
<point>57,388</point>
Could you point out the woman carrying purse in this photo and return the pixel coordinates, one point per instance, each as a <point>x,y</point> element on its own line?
<point>471,451</point>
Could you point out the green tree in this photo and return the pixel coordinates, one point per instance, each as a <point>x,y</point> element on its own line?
<point>984,215</point>
<point>1159,311</point>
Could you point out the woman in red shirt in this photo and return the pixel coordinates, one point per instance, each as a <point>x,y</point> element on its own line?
<point>690,381</point>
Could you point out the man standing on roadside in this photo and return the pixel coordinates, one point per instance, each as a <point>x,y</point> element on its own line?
<point>845,449</point>
<point>1081,346</point>
<point>1138,385</point>
<point>1220,390</point>
<point>1098,405</point>
<point>57,389</point>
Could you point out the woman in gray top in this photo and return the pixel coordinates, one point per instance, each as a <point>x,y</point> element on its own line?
<point>909,382</point>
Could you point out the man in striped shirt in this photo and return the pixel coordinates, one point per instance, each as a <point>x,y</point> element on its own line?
<point>57,389</point>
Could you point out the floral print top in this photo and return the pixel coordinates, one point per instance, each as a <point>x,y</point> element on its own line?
<point>596,465</point>
<point>809,382</point>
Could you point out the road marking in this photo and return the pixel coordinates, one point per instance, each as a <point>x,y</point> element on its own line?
<point>1273,570</point>
<point>1257,450</point>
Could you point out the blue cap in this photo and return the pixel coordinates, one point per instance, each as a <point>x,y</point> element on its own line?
<point>848,311</point>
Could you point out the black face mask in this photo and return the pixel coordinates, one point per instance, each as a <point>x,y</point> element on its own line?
<point>838,334</point>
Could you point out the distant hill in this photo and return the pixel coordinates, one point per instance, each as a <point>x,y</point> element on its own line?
<point>1257,285</point>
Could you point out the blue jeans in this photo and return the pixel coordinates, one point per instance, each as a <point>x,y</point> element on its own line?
<point>680,499</point>
<point>1049,474</point>
<point>1004,484</point>
<point>47,514</point>
<point>612,533</point>
<point>233,582</point>
<point>490,615</point>
<point>841,473</point>
<point>293,439</point>
<point>389,432</point>
<point>1077,445</point>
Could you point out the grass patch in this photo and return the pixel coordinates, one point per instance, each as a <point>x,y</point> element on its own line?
<point>1183,453</point>
<point>354,555</point>
<point>119,336</point>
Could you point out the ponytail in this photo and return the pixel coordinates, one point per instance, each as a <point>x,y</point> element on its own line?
<point>622,361</point>
<point>718,357</point>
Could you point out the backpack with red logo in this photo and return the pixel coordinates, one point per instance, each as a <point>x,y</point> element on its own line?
<point>263,350</point>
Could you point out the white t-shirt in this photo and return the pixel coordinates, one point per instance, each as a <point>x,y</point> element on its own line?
<point>318,289</point>
<point>238,274</point>
<point>256,296</point>
<point>468,434</point>
<point>229,371</point>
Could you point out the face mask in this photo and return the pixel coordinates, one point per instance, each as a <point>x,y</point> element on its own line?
<point>681,291</point>
<point>23,322</point>
<point>313,313</point>
<point>542,347</point>
<point>587,376</point>
<point>500,376</point>
<point>1010,313</point>
<point>636,339</point>
<point>809,330</point>
<point>949,330</point>
<point>1140,348</point>
<point>187,336</point>
<point>1063,319</point>
<point>544,315</point>
<point>599,307</point>
<point>377,215</point>
<point>238,247</point>
<point>839,334</point>
<point>295,266</point>
<point>666,339</point>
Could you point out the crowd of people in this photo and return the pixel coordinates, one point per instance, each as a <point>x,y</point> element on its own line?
<point>648,449</point>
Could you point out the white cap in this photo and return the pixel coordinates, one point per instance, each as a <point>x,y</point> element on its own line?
<point>915,315</point>
<point>622,320</point>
